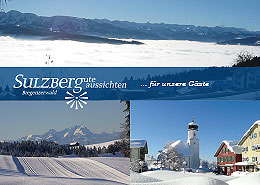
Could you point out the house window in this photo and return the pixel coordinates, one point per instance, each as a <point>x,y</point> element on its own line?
<point>247,148</point>
<point>225,150</point>
<point>252,78</point>
<point>254,135</point>
<point>234,159</point>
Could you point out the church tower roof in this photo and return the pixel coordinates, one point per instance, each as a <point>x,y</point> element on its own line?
<point>192,125</point>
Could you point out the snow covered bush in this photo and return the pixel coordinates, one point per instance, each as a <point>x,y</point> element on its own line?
<point>170,158</point>
<point>135,166</point>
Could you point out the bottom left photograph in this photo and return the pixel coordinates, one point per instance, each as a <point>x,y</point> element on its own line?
<point>47,142</point>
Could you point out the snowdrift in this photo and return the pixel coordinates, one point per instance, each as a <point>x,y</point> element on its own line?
<point>253,178</point>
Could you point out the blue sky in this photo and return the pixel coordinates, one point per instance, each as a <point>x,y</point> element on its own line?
<point>161,121</point>
<point>237,13</point>
<point>21,118</point>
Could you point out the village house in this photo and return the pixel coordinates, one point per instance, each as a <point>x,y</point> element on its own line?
<point>138,149</point>
<point>228,154</point>
<point>74,145</point>
<point>246,79</point>
<point>250,144</point>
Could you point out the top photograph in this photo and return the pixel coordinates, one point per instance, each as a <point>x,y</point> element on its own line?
<point>129,33</point>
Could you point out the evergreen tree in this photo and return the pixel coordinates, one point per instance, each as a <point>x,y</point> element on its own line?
<point>125,144</point>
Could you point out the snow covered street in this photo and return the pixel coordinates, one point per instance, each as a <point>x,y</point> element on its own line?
<point>165,177</point>
<point>43,170</point>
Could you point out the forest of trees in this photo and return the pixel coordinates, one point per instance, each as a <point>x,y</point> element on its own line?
<point>52,149</point>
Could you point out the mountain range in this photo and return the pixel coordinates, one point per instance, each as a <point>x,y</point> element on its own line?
<point>99,30</point>
<point>79,134</point>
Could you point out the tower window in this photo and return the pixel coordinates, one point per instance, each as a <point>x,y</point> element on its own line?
<point>194,134</point>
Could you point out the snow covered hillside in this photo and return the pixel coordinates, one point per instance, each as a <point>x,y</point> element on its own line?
<point>57,171</point>
<point>164,177</point>
<point>168,53</point>
<point>105,144</point>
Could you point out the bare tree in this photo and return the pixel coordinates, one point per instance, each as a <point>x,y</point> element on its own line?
<point>246,59</point>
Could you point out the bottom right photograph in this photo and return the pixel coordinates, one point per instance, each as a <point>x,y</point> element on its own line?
<point>197,142</point>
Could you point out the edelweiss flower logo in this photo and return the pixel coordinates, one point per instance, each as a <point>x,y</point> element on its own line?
<point>76,101</point>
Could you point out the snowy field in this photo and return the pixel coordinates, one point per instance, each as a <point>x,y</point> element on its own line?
<point>62,171</point>
<point>164,177</point>
<point>31,53</point>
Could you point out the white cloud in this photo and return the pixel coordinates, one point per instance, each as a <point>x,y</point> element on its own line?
<point>32,53</point>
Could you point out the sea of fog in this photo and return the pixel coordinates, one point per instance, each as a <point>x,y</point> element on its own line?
<point>170,53</point>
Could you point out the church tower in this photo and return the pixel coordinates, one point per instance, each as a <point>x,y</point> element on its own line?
<point>193,142</point>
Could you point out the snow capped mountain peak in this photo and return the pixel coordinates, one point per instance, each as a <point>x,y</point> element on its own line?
<point>76,133</point>
<point>66,134</point>
<point>80,131</point>
<point>29,137</point>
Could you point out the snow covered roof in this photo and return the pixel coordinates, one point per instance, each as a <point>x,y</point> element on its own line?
<point>74,143</point>
<point>248,131</point>
<point>180,147</point>
<point>244,164</point>
<point>231,145</point>
<point>137,143</point>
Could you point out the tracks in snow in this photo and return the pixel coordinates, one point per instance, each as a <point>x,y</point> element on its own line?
<point>75,168</point>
